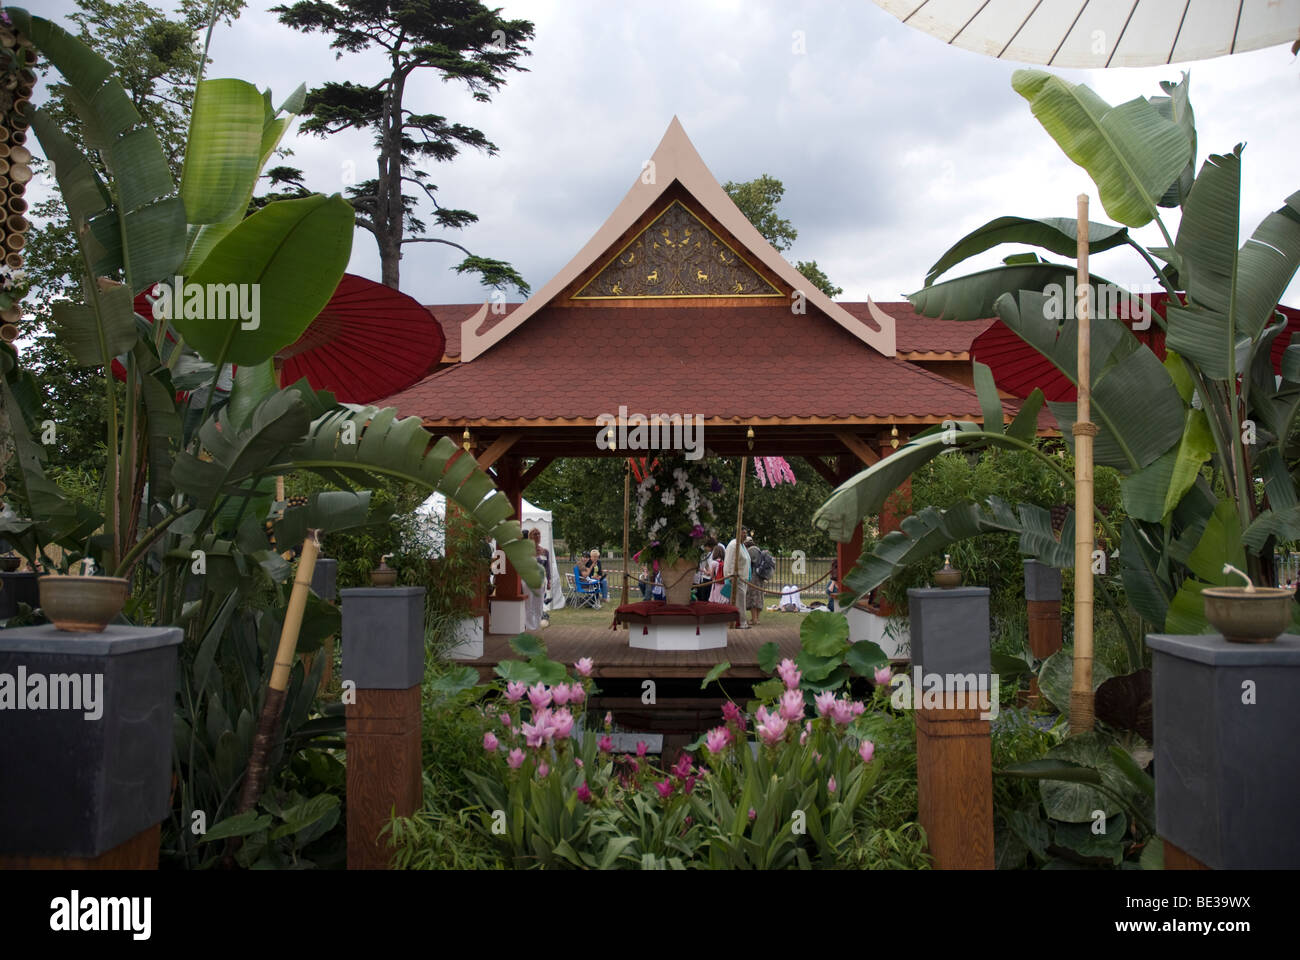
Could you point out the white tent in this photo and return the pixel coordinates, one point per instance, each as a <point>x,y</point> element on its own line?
<point>434,513</point>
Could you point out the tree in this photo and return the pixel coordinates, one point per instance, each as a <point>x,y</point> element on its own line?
<point>462,40</point>
<point>757,200</point>
<point>157,64</point>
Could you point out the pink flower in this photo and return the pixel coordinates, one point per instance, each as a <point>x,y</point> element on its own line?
<point>807,730</point>
<point>883,675</point>
<point>762,716</point>
<point>717,739</point>
<point>789,673</point>
<point>577,762</point>
<point>753,814</point>
<point>690,785</point>
<point>609,719</point>
<point>515,760</point>
<point>539,696</point>
<point>584,792</point>
<point>539,730</point>
<point>515,690</point>
<point>583,666</point>
<point>792,704</point>
<point>543,770</point>
<point>606,744</point>
<point>561,693</point>
<point>842,712</point>
<point>682,767</point>
<point>867,751</point>
<point>490,742</point>
<point>505,719</point>
<point>641,748</point>
<point>830,785</point>
<point>665,788</point>
<point>772,730</point>
<point>823,702</point>
<point>858,708</point>
<point>730,712</point>
<point>561,724</point>
<point>576,693</point>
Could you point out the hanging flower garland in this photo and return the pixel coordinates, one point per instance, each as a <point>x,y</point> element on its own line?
<point>773,470</point>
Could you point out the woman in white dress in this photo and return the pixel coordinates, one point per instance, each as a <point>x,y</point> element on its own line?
<point>535,603</point>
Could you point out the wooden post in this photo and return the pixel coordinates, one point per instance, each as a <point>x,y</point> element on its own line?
<point>847,554</point>
<point>740,544</point>
<point>627,502</point>
<point>1043,609</point>
<point>1081,699</point>
<point>383,655</point>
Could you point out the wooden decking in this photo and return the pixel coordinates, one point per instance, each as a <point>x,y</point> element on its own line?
<point>614,658</point>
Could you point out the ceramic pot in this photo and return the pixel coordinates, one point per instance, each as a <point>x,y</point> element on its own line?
<point>383,575</point>
<point>82,604</point>
<point>1246,616</point>
<point>947,577</point>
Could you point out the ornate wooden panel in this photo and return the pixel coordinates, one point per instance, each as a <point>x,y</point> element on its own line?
<point>676,256</point>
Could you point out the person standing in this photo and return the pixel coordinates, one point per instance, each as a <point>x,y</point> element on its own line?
<point>715,574</point>
<point>833,586</point>
<point>535,599</point>
<point>754,591</point>
<point>736,561</point>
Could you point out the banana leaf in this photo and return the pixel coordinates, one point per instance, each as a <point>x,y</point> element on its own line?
<point>1060,235</point>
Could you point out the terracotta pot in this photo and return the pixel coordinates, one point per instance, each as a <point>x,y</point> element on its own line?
<point>82,604</point>
<point>1243,616</point>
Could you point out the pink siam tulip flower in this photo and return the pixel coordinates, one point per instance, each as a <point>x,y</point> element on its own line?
<point>792,705</point>
<point>823,702</point>
<point>789,673</point>
<point>490,742</point>
<point>858,708</point>
<point>543,770</point>
<point>515,690</point>
<point>830,785</point>
<point>577,762</point>
<point>576,693</point>
<point>561,694</point>
<point>584,792</point>
<point>539,730</point>
<point>665,788</point>
<point>539,696</point>
<point>690,785</point>
<point>641,748</point>
<point>515,759</point>
<point>842,712</point>
<point>867,751</point>
<point>717,739</point>
<point>807,731</point>
<point>606,744</point>
<point>505,719</point>
<point>882,676</point>
<point>753,814</point>
<point>761,716</point>
<point>773,730</point>
<point>583,667</point>
<point>561,724</point>
<point>730,712</point>
<point>609,719</point>
<point>682,767</point>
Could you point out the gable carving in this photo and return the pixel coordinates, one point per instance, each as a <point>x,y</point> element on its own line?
<point>676,256</point>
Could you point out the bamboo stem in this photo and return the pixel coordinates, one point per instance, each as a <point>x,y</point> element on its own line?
<point>1081,699</point>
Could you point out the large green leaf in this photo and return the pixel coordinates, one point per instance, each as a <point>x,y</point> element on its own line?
<point>1126,376</point>
<point>1152,492</point>
<point>329,511</point>
<point>1056,673</point>
<point>224,150</point>
<point>1075,802</point>
<point>1178,108</point>
<point>972,297</point>
<point>1060,235</point>
<point>1147,589</point>
<point>990,401</point>
<point>292,254</point>
<point>1131,152</point>
<point>1220,544</point>
<point>1266,264</point>
<point>97,332</point>
<point>359,446</point>
<point>824,634</point>
<point>1282,524</point>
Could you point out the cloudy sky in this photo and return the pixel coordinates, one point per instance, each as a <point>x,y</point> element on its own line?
<point>891,144</point>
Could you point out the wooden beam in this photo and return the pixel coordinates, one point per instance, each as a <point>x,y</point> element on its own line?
<point>858,447</point>
<point>498,449</point>
<point>533,472</point>
<point>827,472</point>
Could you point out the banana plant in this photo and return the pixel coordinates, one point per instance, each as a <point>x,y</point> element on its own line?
<point>1211,417</point>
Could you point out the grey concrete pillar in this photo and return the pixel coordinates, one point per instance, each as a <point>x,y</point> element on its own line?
<point>1227,721</point>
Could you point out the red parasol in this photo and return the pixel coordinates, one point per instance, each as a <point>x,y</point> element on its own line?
<point>369,342</point>
<point>1018,368</point>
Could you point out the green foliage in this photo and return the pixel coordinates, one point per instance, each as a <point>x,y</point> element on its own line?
<point>757,200</point>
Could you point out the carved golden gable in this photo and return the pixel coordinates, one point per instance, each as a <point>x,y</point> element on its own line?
<point>676,256</point>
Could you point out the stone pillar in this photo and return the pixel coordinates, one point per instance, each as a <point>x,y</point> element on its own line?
<point>86,724</point>
<point>16,588</point>
<point>1226,724</point>
<point>508,599</point>
<point>1043,607</point>
<point>383,655</point>
<point>953,695</point>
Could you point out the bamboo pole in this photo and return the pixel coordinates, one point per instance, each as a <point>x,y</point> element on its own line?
<point>1081,699</point>
<point>627,501</point>
<point>740,543</point>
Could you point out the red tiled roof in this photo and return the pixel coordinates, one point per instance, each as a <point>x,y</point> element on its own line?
<point>452,315</point>
<point>577,363</point>
<point>918,334</point>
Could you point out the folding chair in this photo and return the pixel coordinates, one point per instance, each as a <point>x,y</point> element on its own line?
<point>586,592</point>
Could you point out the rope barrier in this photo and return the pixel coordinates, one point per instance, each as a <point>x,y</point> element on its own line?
<point>749,584</point>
